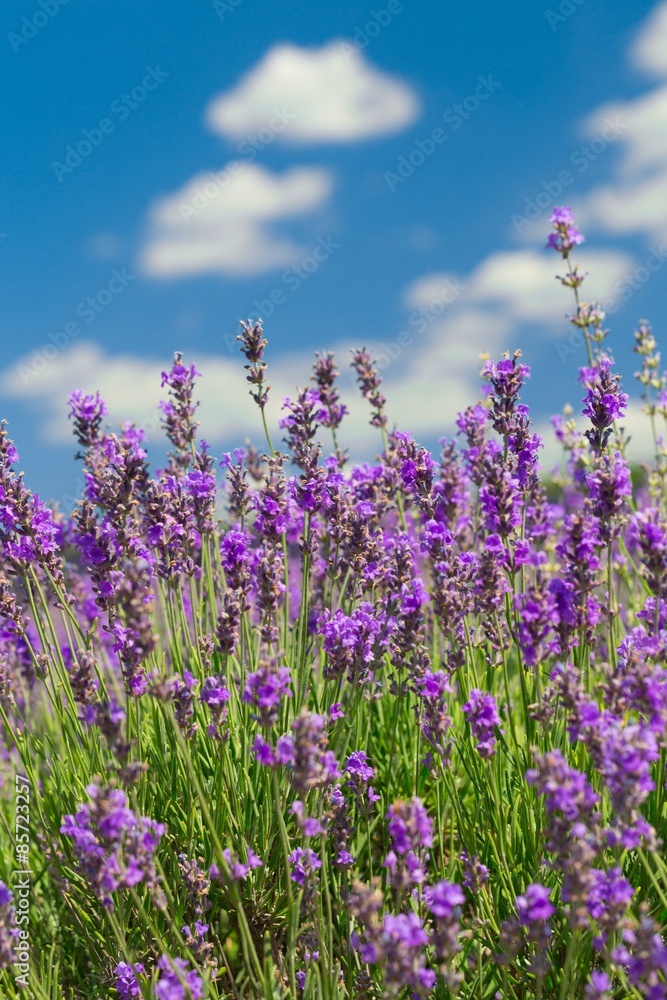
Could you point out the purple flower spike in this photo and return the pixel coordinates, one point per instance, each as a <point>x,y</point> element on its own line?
<point>565,236</point>
<point>534,906</point>
<point>176,982</point>
<point>127,986</point>
<point>483,716</point>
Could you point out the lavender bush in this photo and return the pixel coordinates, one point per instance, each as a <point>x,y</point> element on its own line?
<point>307,730</point>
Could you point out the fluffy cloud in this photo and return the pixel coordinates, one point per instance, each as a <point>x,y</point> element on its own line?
<point>224,222</point>
<point>229,221</point>
<point>333,94</point>
<point>130,385</point>
<point>635,199</point>
<point>649,52</point>
<point>519,285</point>
<point>430,370</point>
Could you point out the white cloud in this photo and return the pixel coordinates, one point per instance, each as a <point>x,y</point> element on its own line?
<point>649,51</point>
<point>635,198</point>
<point>224,222</point>
<point>424,383</point>
<point>429,376</point>
<point>642,135</point>
<point>130,385</point>
<point>524,283</point>
<point>333,94</point>
<point>629,138</point>
<point>629,207</point>
<point>520,285</point>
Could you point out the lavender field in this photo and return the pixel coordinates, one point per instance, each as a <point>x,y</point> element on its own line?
<point>277,726</point>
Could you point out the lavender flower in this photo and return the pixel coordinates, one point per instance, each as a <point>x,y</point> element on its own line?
<point>475,874</point>
<point>236,869</point>
<point>304,865</point>
<point>565,236</point>
<point>265,689</point>
<point>482,713</point>
<point>411,834</point>
<point>324,375</point>
<point>534,906</point>
<point>303,416</point>
<point>87,412</point>
<point>609,487</point>
<point>196,883</point>
<point>644,956</point>
<point>598,987</point>
<point>648,533</point>
<point>604,401</point>
<point>216,695</point>
<point>9,930</point>
<point>436,724</point>
<point>350,641</point>
<point>113,848</point>
<point>608,900</point>
<point>176,981</point>
<point>360,774</point>
<point>178,413</point>
<point>127,984</point>
<point>252,347</point>
<point>369,384</point>
<point>399,945</point>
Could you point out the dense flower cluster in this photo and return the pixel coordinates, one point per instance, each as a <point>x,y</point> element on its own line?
<point>401,726</point>
<point>113,848</point>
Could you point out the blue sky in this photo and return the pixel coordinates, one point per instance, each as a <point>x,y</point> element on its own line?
<point>126,234</point>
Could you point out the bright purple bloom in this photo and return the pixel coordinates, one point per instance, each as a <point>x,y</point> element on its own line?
<point>176,982</point>
<point>482,714</point>
<point>608,899</point>
<point>604,401</point>
<point>87,411</point>
<point>113,847</point>
<point>265,690</point>
<point>304,865</point>
<point>565,235</point>
<point>127,985</point>
<point>411,835</point>
<point>597,988</point>
<point>534,905</point>
<point>443,899</point>
<point>350,640</point>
